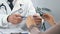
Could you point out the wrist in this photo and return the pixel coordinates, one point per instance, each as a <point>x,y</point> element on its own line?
<point>32,27</point>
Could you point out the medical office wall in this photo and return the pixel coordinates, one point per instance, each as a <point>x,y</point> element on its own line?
<point>54,5</point>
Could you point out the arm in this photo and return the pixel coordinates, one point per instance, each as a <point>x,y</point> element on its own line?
<point>53,30</point>
<point>3,19</point>
<point>3,16</point>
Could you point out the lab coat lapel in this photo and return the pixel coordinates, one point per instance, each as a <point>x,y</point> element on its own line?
<point>7,7</point>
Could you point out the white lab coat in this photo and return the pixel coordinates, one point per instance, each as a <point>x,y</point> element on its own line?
<point>27,9</point>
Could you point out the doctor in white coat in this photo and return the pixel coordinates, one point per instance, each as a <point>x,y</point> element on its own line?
<point>11,19</point>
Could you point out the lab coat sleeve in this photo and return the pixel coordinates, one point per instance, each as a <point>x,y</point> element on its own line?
<point>3,20</point>
<point>31,8</point>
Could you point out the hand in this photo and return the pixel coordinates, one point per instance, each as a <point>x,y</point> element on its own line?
<point>49,18</point>
<point>37,19</point>
<point>15,18</point>
<point>31,25</point>
<point>30,21</point>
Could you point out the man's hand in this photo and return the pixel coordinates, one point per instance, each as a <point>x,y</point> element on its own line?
<point>15,18</point>
<point>37,19</point>
<point>49,18</point>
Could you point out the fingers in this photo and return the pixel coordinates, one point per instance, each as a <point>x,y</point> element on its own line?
<point>47,16</point>
<point>15,18</point>
<point>17,15</point>
<point>30,21</point>
<point>37,19</point>
<point>36,15</point>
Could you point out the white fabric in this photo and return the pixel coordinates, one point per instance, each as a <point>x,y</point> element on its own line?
<point>27,8</point>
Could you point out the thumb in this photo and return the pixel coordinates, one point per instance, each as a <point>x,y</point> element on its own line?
<point>18,15</point>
